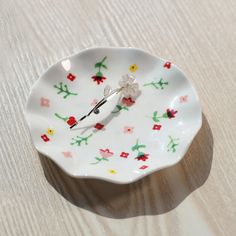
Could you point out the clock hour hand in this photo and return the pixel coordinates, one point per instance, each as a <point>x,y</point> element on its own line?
<point>128,88</point>
<point>96,110</point>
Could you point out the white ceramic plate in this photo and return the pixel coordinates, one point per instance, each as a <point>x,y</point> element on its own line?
<point>139,137</point>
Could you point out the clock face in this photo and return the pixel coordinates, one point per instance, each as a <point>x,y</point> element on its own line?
<point>129,136</point>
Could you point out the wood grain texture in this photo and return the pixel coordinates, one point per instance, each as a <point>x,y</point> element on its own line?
<point>195,197</point>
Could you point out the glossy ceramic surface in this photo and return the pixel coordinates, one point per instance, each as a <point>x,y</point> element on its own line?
<point>138,136</point>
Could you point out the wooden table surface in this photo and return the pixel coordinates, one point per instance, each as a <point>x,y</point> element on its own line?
<point>195,197</point>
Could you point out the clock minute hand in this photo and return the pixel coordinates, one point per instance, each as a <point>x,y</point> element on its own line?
<point>98,105</point>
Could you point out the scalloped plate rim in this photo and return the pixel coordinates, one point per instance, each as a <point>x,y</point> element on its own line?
<point>111,180</point>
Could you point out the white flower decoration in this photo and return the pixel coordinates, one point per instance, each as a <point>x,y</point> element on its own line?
<point>129,86</point>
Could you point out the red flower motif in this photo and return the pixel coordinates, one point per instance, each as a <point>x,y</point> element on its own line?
<point>124,154</point>
<point>106,153</point>
<point>71,121</point>
<point>98,79</point>
<point>45,138</point>
<point>128,101</point>
<point>156,127</point>
<point>99,126</point>
<point>71,77</point>
<point>171,113</point>
<point>142,157</point>
<point>167,65</point>
<point>143,167</point>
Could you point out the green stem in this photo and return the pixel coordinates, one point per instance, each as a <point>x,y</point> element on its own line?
<point>89,136</point>
<point>85,139</point>
<point>140,153</point>
<point>78,140</point>
<point>147,84</point>
<point>98,160</point>
<point>99,65</point>
<point>70,93</point>
<point>172,144</point>
<point>157,85</point>
<point>94,163</point>
<point>64,89</point>
<point>104,58</point>
<point>119,108</point>
<point>60,117</point>
<point>157,119</point>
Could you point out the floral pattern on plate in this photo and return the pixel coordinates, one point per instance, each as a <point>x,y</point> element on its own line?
<point>143,133</point>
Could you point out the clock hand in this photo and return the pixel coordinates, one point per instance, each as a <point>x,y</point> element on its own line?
<point>128,87</point>
<point>98,105</point>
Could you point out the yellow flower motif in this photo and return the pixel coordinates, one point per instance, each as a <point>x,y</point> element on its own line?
<point>50,131</point>
<point>112,172</point>
<point>133,68</point>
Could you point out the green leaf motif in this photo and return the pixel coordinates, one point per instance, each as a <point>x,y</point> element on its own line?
<point>64,118</point>
<point>165,115</point>
<point>157,85</point>
<point>119,108</point>
<point>171,146</point>
<point>99,160</point>
<point>63,88</point>
<point>98,64</point>
<point>154,117</point>
<point>79,140</point>
<point>137,146</point>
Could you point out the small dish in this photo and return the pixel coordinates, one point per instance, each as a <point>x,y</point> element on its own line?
<point>139,136</point>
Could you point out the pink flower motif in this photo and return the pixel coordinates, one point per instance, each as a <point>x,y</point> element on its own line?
<point>156,127</point>
<point>106,153</point>
<point>167,65</point>
<point>44,102</point>
<point>124,154</point>
<point>128,130</point>
<point>183,99</point>
<point>94,102</point>
<point>143,167</point>
<point>67,154</point>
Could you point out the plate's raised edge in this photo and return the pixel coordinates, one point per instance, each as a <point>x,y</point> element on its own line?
<point>129,180</point>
